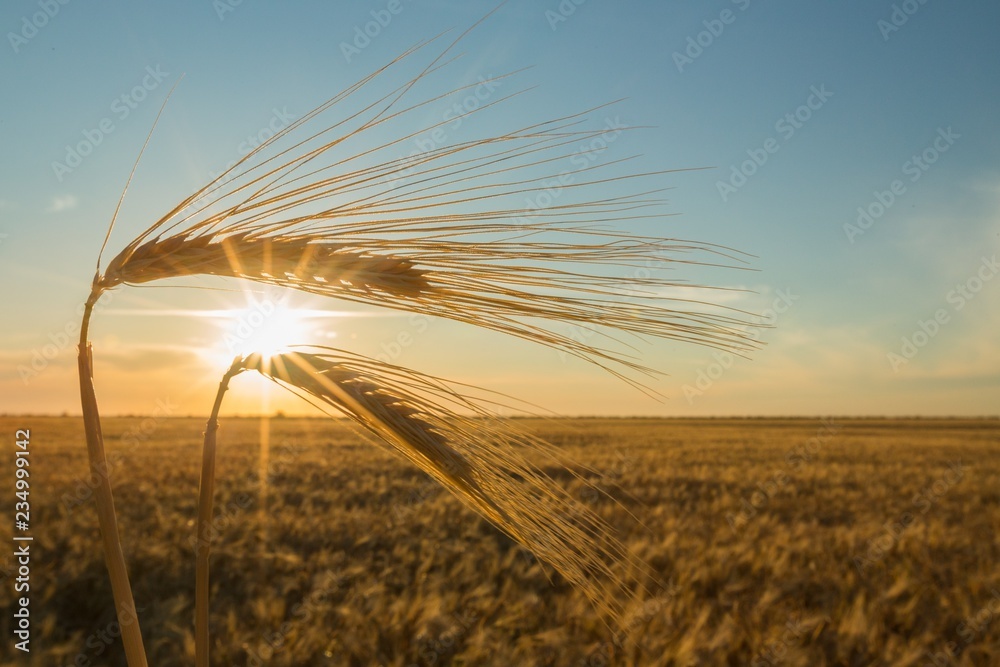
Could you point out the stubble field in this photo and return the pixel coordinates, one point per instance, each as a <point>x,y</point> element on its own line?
<point>784,542</point>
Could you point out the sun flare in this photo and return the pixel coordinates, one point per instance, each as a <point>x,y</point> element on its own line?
<point>264,327</point>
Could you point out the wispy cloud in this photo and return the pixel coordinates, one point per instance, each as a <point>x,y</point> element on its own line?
<point>948,243</point>
<point>62,203</point>
<point>707,294</point>
<point>230,313</point>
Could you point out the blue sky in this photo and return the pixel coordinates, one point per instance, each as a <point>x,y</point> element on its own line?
<point>718,83</point>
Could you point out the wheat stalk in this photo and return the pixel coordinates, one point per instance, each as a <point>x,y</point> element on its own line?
<point>457,231</point>
<point>206,493</point>
<point>100,481</point>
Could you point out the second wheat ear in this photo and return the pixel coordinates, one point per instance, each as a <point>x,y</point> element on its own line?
<point>490,465</point>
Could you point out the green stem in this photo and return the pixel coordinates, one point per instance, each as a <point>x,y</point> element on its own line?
<point>100,481</point>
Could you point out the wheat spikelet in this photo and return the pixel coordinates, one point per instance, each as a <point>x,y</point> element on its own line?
<point>480,459</point>
<point>281,260</point>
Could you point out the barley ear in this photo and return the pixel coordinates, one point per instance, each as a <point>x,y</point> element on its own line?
<point>484,461</point>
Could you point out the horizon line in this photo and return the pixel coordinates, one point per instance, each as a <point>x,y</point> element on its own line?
<point>281,415</point>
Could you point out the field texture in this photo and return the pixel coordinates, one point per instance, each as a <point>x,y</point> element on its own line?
<point>784,542</point>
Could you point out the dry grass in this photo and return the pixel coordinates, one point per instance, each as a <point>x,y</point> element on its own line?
<point>369,561</point>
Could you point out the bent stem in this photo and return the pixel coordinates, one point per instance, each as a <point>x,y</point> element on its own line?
<point>205,510</point>
<point>100,481</point>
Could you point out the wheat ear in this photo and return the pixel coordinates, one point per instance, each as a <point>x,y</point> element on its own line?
<point>331,209</point>
<point>482,460</point>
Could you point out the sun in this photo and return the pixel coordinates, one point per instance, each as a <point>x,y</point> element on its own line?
<point>265,327</point>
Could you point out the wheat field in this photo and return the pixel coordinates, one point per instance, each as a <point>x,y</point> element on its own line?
<point>784,542</point>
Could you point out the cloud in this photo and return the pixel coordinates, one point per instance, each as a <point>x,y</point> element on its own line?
<point>954,232</point>
<point>62,203</point>
<point>152,357</point>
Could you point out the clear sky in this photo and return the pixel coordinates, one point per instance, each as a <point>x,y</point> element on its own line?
<point>890,108</point>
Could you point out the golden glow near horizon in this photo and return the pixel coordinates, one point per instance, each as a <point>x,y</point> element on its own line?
<point>899,319</point>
